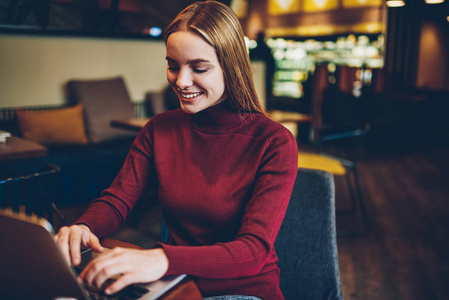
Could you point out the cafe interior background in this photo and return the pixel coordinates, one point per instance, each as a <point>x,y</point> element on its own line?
<point>381,62</point>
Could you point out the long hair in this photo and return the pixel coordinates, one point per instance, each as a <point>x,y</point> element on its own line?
<point>218,25</point>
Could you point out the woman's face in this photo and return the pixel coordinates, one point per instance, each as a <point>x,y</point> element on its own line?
<point>194,72</point>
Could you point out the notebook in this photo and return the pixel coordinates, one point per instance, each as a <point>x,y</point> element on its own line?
<point>32,267</point>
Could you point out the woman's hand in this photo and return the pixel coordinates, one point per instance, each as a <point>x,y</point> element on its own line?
<point>131,265</point>
<point>70,239</point>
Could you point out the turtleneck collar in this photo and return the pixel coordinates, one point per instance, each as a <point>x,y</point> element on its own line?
<point>219,118</point>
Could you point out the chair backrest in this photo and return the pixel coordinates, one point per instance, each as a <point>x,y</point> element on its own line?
<point>32,193</point>
<point>103,100</point>
<point>306,244</point>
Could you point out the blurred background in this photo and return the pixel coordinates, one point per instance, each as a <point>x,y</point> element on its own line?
<point>380,63</point>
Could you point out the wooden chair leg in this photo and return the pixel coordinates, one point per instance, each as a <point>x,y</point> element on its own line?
<point>352,197</point>
<point>357,201</point>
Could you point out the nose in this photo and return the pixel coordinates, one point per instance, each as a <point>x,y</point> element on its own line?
<point>184,79</point>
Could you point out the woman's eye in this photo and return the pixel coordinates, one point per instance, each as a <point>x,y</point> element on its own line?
<point>173,68</point>
<point>199,70</point>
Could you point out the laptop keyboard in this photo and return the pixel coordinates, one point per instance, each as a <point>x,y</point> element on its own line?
<point>131,292</point>
<point>128,293</point>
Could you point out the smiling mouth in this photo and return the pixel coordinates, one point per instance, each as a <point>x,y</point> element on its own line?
<point>190,96</point>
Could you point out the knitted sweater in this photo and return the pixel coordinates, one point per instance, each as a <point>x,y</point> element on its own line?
<point>224,180</point>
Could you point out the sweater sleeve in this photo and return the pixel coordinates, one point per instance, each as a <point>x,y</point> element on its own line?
<point>254,244</point>
<point>105,214</point>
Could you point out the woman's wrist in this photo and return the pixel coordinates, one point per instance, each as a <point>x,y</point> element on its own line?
<point>162,259</point>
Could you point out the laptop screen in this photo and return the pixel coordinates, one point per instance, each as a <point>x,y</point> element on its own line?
<point>32,267</point>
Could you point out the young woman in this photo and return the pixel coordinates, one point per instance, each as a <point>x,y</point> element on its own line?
<point>223,170</point>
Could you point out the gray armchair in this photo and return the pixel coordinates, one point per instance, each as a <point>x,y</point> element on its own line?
<point>306,244</point>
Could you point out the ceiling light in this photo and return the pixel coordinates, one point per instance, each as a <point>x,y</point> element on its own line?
<point>434,1</point>
<point>395,3</point>
<point>155,31</point>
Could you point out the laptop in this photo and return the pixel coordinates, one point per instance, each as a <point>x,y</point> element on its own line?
<point>32,267</point>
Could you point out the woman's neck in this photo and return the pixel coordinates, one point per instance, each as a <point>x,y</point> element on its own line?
<point>219,118</point>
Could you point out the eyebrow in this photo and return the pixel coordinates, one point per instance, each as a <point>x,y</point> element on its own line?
<point>192,61</point>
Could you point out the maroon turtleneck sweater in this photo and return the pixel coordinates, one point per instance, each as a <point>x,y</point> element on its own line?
<point>224,180</point>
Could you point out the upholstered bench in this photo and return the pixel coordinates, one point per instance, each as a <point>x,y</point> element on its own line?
<point>78,136</point>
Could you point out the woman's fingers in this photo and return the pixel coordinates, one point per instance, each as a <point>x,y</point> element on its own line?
<point>62,241</point>
<point>97,270</point>
<point>128,265</point>
<point>74,245</point>
<point>121,283</point>
<point>94,243</point>
<point>117,271</point>
<point>70,239</point>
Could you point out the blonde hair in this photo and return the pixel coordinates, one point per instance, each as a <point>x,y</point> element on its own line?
<point>218,25</point>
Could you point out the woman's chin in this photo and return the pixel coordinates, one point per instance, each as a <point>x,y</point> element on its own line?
<point>190,109</point>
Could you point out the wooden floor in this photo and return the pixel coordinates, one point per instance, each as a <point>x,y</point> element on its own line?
<point>406,253</point>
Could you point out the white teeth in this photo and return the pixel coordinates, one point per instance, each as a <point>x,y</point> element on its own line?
<point>189,96</point>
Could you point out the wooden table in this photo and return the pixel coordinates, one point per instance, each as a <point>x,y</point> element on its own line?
<point>288,116</point>
<point>17,148</point>
<point>186,290</point>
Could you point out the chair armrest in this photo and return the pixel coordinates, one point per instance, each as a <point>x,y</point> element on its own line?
<point>355,133</point>
<point>341,131</point>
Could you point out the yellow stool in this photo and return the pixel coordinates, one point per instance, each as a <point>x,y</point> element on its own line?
<point>321,162</point>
